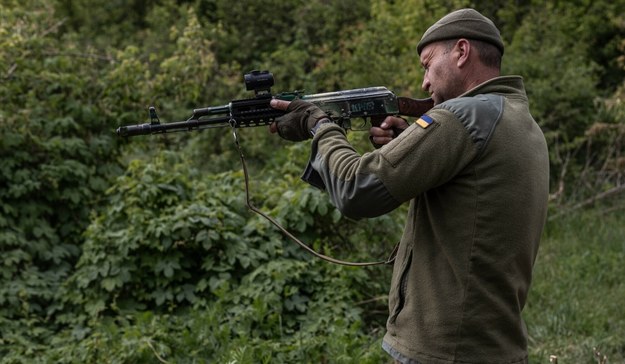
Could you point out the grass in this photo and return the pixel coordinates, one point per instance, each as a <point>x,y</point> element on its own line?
<point>576,306</point>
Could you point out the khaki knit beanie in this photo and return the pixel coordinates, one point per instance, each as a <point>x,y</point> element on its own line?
<point>463,23</point>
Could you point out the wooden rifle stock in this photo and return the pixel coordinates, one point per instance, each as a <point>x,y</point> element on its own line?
<point>414,107</point>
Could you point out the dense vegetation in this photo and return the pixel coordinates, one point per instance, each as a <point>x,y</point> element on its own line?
<point>143,250</point>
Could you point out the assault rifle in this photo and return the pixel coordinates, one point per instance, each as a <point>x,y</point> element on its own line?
<point>371,104</point>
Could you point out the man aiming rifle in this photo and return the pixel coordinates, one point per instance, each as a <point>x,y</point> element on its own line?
<point>475,171</point>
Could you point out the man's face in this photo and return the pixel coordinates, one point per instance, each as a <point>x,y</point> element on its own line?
<point>441,72</point>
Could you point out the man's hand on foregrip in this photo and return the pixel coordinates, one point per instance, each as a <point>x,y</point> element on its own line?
<point>300,118</point>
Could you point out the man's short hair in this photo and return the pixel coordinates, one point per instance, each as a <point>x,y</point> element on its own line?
<point>488,54</point>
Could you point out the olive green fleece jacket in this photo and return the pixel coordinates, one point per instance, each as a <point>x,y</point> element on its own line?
<point>475,170</point>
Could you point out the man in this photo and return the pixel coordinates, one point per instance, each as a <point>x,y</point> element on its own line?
<point>475,171</point>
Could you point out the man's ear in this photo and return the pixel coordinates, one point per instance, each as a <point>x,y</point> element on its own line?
<point>463,49</point>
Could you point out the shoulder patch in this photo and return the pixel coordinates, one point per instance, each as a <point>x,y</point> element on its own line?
<point>424,121</point>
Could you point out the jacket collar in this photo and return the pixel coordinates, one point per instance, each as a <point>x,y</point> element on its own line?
<point>508,85</point>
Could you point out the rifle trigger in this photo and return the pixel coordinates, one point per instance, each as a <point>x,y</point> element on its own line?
<point>154,120</point>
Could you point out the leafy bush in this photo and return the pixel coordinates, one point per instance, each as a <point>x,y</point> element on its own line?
<point>58,158</point>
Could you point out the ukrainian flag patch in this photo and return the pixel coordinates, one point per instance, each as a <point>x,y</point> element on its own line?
<point>424,121</point>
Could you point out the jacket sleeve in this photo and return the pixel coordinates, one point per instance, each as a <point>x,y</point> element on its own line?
<point>425,155</point>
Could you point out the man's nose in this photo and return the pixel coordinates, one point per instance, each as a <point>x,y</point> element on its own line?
<point>425,86</point>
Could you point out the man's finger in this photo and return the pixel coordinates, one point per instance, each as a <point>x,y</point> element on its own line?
<point>279,104</point>
<point>394,122</point>
<point>379,132</point>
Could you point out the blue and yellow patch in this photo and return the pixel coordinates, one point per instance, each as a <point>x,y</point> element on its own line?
<point>424,121</point>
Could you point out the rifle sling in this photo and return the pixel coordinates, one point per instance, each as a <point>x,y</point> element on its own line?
<point>248,201</point>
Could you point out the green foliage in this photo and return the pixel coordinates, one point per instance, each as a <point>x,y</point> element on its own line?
<point>383,50</point>
<point>576,299</point>
<point>555,49</point>
<point>169,243</point>
<point>161,235</point>
<point>58,156</point>
<point>205,337</point>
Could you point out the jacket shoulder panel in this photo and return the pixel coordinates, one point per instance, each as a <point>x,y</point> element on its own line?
<point>479,114</point>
